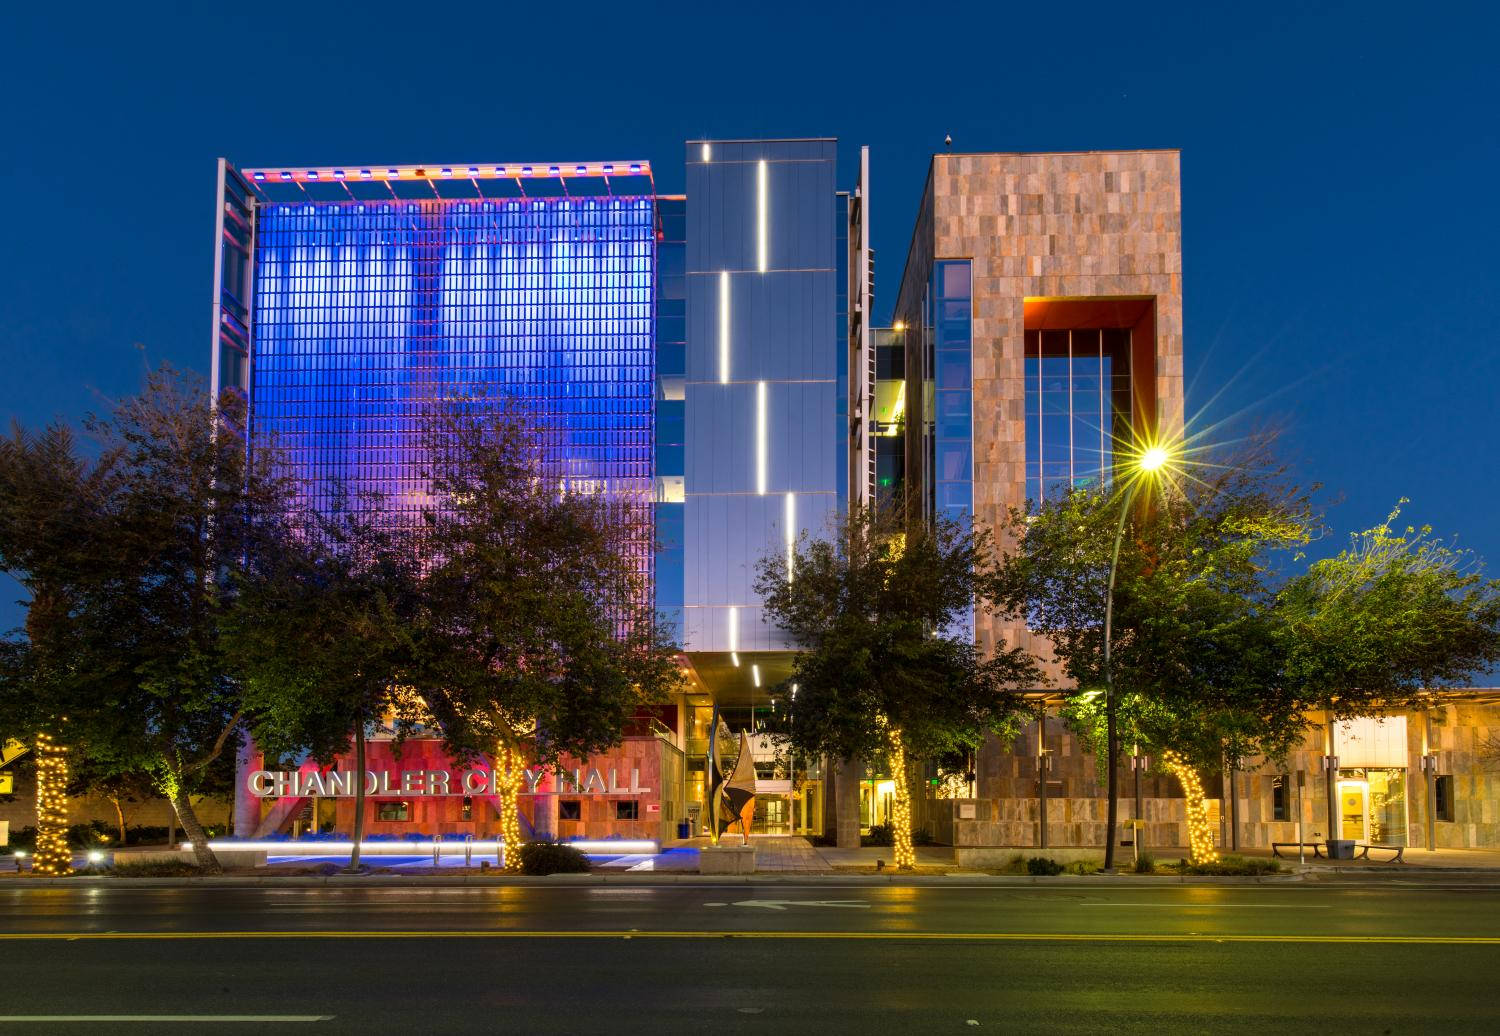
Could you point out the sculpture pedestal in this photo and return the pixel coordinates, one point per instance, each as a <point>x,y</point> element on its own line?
<point>726,859</point>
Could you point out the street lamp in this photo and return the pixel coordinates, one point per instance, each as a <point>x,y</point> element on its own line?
<point>1147,464</point>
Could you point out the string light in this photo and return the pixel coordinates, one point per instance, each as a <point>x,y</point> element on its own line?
<point>510,770</point>
<point>906,857</point>
<point>1200,831</point>
<point>53,857</point>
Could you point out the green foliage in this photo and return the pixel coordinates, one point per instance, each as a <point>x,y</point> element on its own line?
<point>131,585</point>
<point>874,609</point>
<point>324,638</point>
<point>155,869</point>
<point>880,835</point>
<point>1145,863</point>
<point>1393,615</point>
<point>1196,662</point>
<point>1043,866</point>
<point>1231,866</point>
<point>552,858</point>
<point>537,619</point>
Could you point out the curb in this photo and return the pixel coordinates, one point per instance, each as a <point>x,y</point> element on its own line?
<point>589,880</point>
<point>1431,876</point>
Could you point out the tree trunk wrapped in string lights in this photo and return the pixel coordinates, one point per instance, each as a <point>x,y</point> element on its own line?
<point>1200,831</point>
<point>510,771</point>
<point>906,857</point>
<point>53,857</point>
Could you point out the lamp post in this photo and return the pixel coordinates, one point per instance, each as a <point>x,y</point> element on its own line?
<point>1150,461</point>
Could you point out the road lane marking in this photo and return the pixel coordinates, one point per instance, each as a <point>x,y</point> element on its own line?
<point>190,1018</point>
<point>1212,906</point>
<point>782,904</point>
<point>1196,937</point>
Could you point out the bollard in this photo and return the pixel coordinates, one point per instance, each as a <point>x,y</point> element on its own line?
<point>437,850</point>
<point>468,850</point>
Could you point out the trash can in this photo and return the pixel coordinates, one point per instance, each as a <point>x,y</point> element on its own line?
<point>1341,848</point>
<point>684,829</point>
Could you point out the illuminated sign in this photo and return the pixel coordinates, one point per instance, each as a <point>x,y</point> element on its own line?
<point>339,784</point>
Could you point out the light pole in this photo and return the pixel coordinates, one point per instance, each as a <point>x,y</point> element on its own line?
<point>1150,461</point>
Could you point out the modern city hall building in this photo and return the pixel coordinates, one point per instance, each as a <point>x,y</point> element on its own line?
<point>714,358</point>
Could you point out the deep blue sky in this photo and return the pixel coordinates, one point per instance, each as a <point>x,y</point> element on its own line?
<point>1339,169</point>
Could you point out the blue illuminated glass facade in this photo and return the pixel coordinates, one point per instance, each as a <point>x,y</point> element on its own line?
<point>671,417</point>
<point>366,311</point>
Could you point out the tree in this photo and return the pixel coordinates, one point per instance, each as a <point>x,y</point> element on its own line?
<point>141,674</point>
<point>1195,657</point>
<point>53,502</point>
<point>1387,620</point>
<point>322,635</point>
<point>885,666</point>
<point>539,638</point>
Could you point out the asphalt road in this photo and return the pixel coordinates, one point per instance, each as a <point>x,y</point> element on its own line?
<point>819,958</point>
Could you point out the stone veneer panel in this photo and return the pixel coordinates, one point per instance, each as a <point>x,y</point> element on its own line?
<point>1055,225</point>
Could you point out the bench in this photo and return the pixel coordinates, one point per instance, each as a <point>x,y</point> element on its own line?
<point>1362,851</point>
<point>1316,847</point>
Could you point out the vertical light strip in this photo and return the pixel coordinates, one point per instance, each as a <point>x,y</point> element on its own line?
<point>734,634</point>
<point>789,519</point>
<point>762,217</point>
<point>760,438</point>
<point>755,674</point>
<point>707,151</point>
<point>723,327</point>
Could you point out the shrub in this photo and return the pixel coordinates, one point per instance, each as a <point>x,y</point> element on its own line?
<point>1043,865</point>
<point>880,834</point>
<point>1232,866</point>
<point>154,869</point>
<point>552,858</point>
<point>1144,864</point>
<point>922,836</point>
<point>1015,865</point>
<point>1081,867</point>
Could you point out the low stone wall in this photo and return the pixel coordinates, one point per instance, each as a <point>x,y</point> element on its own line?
<point>726,859</point>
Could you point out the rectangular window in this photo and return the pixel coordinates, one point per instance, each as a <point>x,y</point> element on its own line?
<point>1281,797</point>
<point>569,809</point>
<point>1443,785</point>
<point>627,809</point>
<point>1077,408</point>
<point>393,812</point>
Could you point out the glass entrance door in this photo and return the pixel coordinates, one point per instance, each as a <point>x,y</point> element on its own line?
<point>1354,810</point>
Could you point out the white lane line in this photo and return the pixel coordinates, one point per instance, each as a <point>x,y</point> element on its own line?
<point>190,1018</point>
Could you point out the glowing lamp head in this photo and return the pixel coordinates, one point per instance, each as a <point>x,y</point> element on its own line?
<point>96,856</point>
<point>1153,459</point>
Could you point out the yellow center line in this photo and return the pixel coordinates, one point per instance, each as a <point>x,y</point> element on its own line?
<point>1420,940</point>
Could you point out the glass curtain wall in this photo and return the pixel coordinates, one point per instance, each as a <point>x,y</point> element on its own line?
<point>1077,408</point>
<point>366,313</point>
